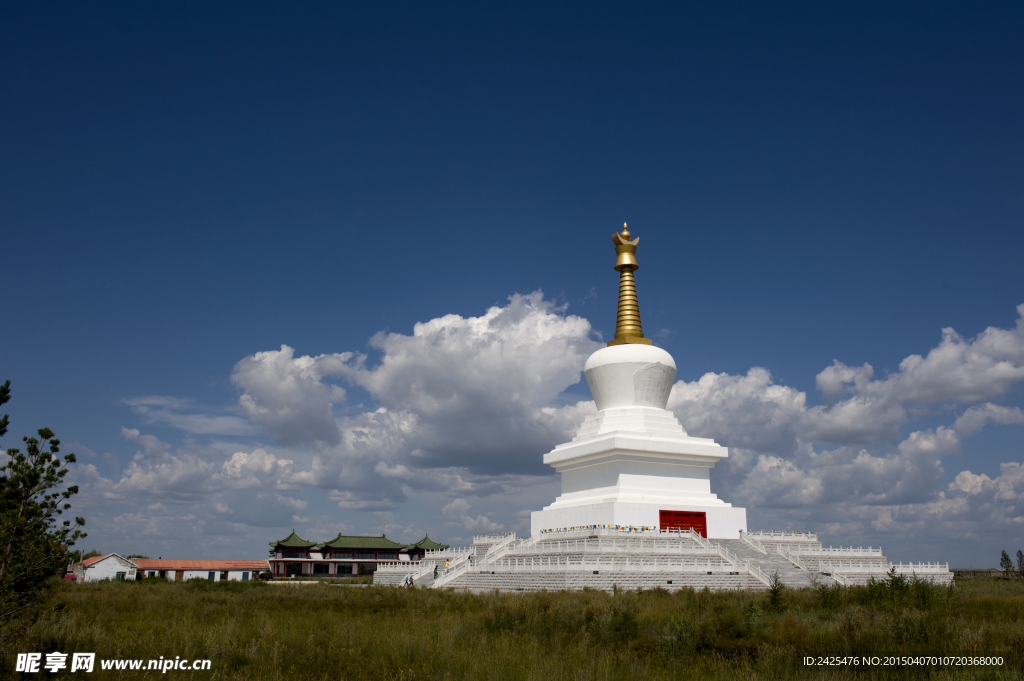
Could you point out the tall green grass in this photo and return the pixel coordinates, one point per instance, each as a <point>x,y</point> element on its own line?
<point>266,631</point>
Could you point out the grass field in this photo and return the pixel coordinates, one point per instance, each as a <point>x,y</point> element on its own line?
<point>266,631</point>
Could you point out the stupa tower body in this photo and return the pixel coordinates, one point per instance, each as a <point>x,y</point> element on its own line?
<point>632,463</point>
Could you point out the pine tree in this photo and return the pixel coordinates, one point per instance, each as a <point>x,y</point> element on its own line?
<point>34,541</point>
<point>1005,564</point>
<point>1020,563</point>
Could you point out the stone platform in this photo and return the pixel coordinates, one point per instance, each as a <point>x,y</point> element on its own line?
<point>605,559</point>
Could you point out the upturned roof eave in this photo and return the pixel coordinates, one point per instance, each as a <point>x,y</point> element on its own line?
<point>360,542</point>
<point>294,541</point>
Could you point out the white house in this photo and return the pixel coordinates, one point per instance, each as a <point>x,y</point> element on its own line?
<point>178,569</point>
<point>98,568</point>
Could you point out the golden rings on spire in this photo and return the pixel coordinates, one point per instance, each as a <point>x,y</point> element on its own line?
<point>627,322</point>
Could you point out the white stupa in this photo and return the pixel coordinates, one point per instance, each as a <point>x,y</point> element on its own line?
<point>632,463</point>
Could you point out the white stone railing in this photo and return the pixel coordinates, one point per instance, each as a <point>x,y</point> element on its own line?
<point>529,541</point>
<point>867,562</point>
<point>417,569</point>
<point>859,552</point>
<point>624,563</point>
<point>790,556</point>
<point>455,569</point>
<point>750,541</point>
<point>792,547</point>
<point>784,535</point>
<point>727,554</point>
<point>610,545</point>
<point>701,541</point>
<point>839,579</point>
<point>901,568</point>
<point>595,532</point>
<point>757,573</point>
<point>482,538</point>
<point>498,549</point>
<point>447,554</point>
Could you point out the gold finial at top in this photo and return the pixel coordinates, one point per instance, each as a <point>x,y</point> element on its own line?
<point>626,250</point>
<point>627,323</point>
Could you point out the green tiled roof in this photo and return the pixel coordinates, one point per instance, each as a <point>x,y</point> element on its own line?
<point>427,544</point>
<point>350,542</point>
<point>295,541</point>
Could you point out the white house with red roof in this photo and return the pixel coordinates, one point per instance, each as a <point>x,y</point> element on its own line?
<point>99,568</point>
<point>181,569</point>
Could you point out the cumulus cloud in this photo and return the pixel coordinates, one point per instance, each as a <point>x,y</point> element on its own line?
<point>465,406</point>
<point>174,488</point>
<point>973,506</point>
<point>976,418</point>
<point>287,395</point>
<point>847,461</point>
<point>961,371</point>
<point>159,470</point>
<point>482,389</point>
<point>459,398</point>
<point>981,497</point>
<point>457,511</point>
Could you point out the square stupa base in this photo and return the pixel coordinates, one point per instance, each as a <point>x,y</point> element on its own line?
<point>723,522</point>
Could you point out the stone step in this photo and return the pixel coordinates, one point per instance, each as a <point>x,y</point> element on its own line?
<point>603,581</point>
<point>789,574</point>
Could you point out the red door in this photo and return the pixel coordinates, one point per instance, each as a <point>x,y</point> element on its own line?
<point>685,520</point>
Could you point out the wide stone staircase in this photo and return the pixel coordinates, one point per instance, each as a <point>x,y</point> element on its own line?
<point>814,564</point>
<point>602,559</point>
<point>773,563</point>
<point>606,558</point>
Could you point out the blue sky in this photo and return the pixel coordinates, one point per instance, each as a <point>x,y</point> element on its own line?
<point>184,187</point>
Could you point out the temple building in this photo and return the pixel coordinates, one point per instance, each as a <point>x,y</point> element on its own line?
<point>342,556</point>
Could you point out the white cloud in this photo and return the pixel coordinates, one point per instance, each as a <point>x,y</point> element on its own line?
<point>973,506</point>
<point>456,511</point>
<point>859,419</point>
<point>459,398</point>
<point>748,411</point>
<point>961,371</point>
<point>875,477</point>
<point>352,501</point>
<point>957,371</point>
<point>287,395</point>
<point>189,473</point>
<point>837,380</point>
<point>976,418</point>
<point>187,416</point>
<point>482,389</point>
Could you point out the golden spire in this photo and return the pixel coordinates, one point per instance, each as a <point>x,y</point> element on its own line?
<point>627,323</point>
